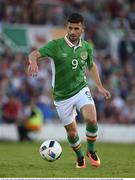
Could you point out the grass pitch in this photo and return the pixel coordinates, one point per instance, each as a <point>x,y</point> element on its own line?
<point>23,160</point>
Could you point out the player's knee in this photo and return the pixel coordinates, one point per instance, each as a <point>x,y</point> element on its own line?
<point>72,133</point>
<point>91,121</point>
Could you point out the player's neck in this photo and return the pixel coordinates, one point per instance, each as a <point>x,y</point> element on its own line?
<point>75,43</point>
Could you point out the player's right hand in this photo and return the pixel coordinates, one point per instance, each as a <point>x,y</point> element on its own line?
<point>33,68</point>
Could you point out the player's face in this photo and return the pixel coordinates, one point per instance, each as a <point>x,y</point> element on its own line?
<point>74,31</point>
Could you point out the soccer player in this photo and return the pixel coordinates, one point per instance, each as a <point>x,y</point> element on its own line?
<point>70,56</point>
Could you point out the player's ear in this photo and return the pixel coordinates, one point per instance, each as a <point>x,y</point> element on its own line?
<point>66,24</point>
<point>83,28</point>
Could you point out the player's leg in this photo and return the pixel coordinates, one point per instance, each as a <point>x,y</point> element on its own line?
<point>74,141</point>
<point>86,105</point>
<point>67,114</point>
<point>89,114</point>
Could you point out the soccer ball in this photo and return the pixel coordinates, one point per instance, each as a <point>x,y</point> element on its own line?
<point>50,150</point>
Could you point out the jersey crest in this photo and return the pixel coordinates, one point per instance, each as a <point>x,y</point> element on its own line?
<point>84,55</point>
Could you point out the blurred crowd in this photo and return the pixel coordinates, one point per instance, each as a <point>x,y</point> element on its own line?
<point>117,13</point>
<point>19,93</point>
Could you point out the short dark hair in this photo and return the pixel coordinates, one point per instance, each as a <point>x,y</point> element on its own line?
<point>75,18</point>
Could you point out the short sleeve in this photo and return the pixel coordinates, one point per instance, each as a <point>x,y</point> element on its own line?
<point>90,55</point>
<point>48,50</point>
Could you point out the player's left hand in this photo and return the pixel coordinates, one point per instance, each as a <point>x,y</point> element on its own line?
<point>104,92</point>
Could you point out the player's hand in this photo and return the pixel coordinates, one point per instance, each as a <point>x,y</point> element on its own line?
<point>33,68</point>
<point>104,92</point>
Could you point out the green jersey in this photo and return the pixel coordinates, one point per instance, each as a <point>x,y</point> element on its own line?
<point>69,63</point>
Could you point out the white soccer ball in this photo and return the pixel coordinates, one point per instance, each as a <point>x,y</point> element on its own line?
<point>50,150</point>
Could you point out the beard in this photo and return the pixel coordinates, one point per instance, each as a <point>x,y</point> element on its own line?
<point>73,38</point>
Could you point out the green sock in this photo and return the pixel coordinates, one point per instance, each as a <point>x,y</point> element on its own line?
<point>79,153</point>
<point>76,146</point>
<point>91,135</point>
<point>90,146</point>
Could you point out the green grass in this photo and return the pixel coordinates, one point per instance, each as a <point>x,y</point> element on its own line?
<point>23,160</point>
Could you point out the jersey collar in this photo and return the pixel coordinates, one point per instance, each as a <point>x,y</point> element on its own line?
<point>71,44</point>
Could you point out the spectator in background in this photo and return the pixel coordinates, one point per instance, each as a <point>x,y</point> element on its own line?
<point>32,120</point>
<point>129,110</point>
<point>131,14</point>
<point>126,48</point>
<point>47,107</point>
<point>28,118</point>
<point>12,110</point>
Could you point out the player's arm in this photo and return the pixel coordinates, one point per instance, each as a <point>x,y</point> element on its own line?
<point>95,75</point>
<point>33,66</point>
<point>47,50</point>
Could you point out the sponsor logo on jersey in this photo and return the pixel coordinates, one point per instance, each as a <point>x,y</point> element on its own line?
<point>84,55</point>
<point>64,54</point>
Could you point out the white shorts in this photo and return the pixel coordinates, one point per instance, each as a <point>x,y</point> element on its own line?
<point>67,108</point>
